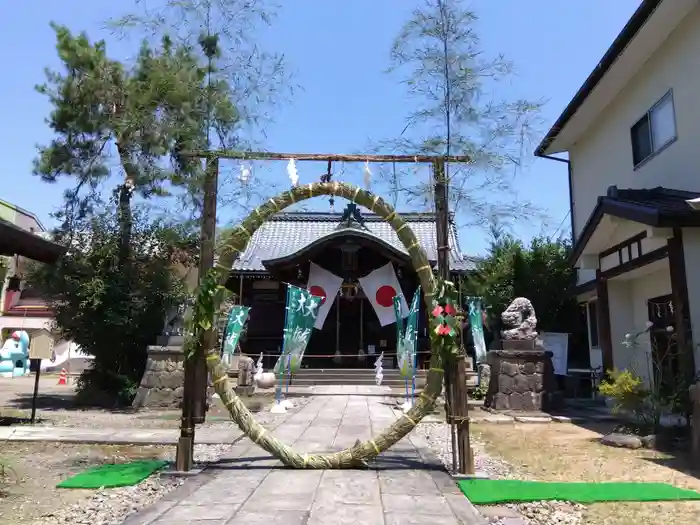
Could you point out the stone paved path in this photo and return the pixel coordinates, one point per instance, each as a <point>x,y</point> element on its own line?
<point>405,486</point>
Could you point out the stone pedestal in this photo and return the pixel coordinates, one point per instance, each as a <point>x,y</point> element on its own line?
<point>522,377</point>
<point>161,384</point>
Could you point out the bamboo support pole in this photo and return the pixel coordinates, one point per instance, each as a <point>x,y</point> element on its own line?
<point>194,396</point>
<point>455,376</point>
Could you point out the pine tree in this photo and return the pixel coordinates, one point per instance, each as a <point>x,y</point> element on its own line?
<point>134,120</point>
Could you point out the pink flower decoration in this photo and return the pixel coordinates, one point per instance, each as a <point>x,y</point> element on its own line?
<point>443,329</point>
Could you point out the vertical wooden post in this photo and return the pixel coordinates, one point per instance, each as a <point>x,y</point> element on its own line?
<point>195,381</point>
<point>455,373</point>
<point>443,260</point>
<point>679,291</point>
<point>206,263</point>
<point>185,444</point>
<point>337,325</point>
<point>464,447</point>
<point>37,374</point>
<point>362,323</point>
<point>604,331</point>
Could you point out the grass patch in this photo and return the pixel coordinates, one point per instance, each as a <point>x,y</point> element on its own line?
<point>563,452</point>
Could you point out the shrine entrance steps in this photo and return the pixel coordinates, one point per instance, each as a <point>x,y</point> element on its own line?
<point>354,376</point>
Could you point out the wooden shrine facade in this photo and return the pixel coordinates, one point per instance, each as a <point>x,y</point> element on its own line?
<point>350,245</point>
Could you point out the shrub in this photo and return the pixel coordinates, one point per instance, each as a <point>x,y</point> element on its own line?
<point>626,390</point>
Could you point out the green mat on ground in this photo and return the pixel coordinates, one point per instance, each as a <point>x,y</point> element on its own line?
<point>111,476</point>
<point>497,491</point>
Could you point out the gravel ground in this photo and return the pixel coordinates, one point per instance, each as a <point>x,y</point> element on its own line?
<point>537,513</point>
<point>112,506</point>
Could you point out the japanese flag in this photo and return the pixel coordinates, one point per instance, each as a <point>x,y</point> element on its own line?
<point>381,286</point>
<point>325,285</point>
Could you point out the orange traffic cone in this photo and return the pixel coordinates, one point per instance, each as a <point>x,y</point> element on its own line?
<point>62,378</point>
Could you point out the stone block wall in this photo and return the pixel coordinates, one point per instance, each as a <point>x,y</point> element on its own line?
<point>521,380</point>
<point>161,386</point>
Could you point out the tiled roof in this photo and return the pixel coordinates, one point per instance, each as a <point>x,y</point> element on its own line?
<point>665,200</point>
<point>286,233</point>
<point>656,207</point>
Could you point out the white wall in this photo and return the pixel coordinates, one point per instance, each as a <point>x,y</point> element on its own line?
<point>604,156</point>
<point>628,315</point>
<point>691,249</point>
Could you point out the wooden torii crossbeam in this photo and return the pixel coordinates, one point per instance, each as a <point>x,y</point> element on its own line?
<point>332,157</point>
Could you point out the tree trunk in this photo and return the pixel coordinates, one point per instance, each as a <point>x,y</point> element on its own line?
<point>125,217</point>
<point>126,224</point>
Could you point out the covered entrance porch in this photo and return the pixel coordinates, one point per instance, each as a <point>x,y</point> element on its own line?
<point>632,257</point>
<point>351,335</point>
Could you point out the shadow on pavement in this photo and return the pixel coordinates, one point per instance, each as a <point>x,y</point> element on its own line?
<point>379,464</point>
<point>49,402</point>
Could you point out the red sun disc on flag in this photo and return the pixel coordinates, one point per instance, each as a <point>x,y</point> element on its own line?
<point>385,296</point>
<point>317,291</point>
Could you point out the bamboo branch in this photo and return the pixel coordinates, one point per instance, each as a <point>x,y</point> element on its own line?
<point>330,157</point>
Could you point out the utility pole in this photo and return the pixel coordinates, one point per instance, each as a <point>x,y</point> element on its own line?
<point>455,371</point>
<point>195,386</point>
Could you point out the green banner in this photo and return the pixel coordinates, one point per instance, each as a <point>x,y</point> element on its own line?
<point>477,327</point>
<point>302,309</point>
<point>237,317</point>
<point>407,337</point>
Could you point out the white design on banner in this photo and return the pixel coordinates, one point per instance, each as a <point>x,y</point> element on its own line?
<point>381,286</point>
<point>324,285</point>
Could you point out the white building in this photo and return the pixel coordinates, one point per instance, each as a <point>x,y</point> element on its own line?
<point>632,136</point>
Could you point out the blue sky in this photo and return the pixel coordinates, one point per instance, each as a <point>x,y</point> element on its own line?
<point>339,51</point>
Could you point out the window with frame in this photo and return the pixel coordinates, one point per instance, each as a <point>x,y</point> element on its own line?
<point>654,131</point>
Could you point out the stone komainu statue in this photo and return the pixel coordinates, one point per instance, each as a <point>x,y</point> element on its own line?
<point>520,320</point>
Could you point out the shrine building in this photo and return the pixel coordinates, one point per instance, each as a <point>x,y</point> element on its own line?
<point>340,249</point>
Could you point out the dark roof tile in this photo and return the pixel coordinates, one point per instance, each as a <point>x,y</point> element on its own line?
<point>287,233</point>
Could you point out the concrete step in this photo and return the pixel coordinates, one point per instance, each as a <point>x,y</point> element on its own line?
<point>354,382</point>
<point>352,371</point>
<point>348,372</point>
<point>342,373</point>
<point>348,376</point>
